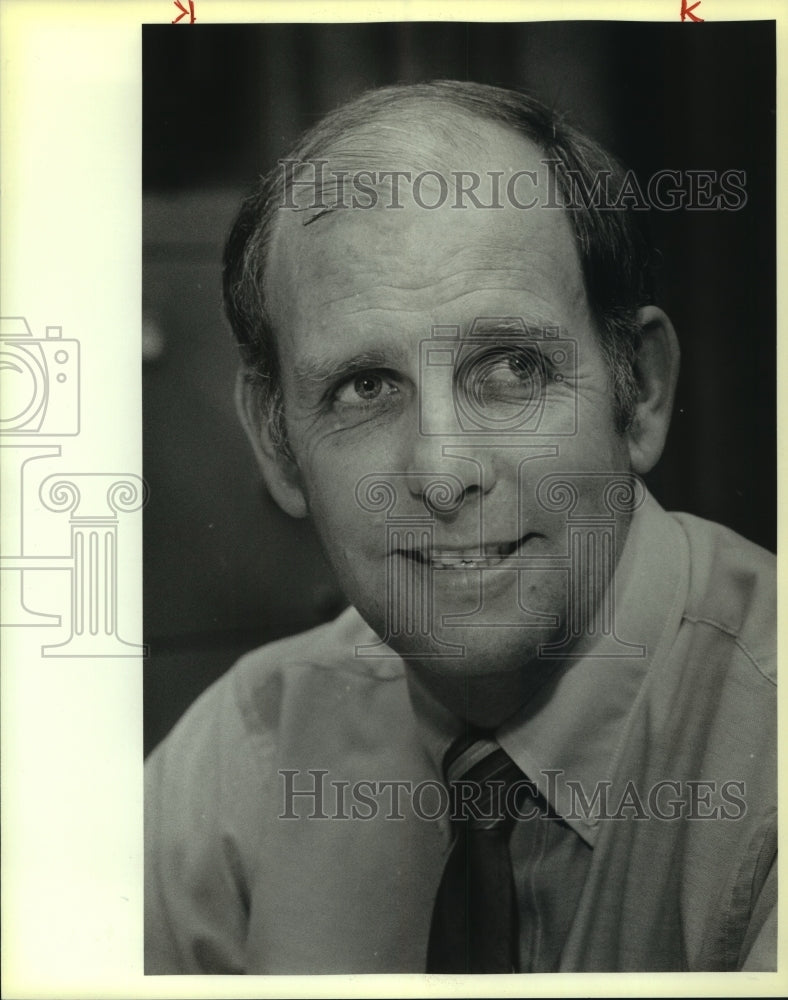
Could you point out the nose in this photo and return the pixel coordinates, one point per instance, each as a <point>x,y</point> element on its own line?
<point>442,491</point>
<point>444,468</point>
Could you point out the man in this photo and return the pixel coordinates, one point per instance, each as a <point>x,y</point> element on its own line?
<point>542,736</point>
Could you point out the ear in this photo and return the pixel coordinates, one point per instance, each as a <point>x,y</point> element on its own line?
<point>280,472</point>
<point>656,372</point>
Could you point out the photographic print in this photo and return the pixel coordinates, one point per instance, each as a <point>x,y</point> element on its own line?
<point>469,260</point>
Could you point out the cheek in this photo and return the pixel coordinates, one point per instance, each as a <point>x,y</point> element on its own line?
<point>329,492</point>
<point>596,439</point>
<point>333,462</point>
<point>327,446</point>
<point>330,484</point>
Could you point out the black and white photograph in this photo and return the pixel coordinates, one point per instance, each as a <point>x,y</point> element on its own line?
<point>459,416</point>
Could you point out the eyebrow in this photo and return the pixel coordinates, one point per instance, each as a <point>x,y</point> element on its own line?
<point>506,326</point>
<point>313,372</point>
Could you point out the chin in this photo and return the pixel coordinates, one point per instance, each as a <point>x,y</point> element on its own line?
<point>496,675</point>
<point>477,652</point>
<point>482,672</point>
<point>466,625</point>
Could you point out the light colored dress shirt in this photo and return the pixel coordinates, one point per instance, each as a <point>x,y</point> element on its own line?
<point>293,820</point>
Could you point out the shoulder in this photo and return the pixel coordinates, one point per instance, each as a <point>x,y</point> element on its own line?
<point>280,686</point>
<point>331,647</point>
<point>312,673</point>
<point>305,699</point>
<point>732,590</point>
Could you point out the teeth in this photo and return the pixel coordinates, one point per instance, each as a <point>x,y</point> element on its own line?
<point>493,555</point>
<point>446,562</point>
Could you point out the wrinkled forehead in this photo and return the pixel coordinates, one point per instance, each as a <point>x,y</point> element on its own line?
<point>421,197</point>
<point>429,154</point>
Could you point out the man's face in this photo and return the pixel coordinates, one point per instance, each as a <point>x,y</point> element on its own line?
<point>461,561</point>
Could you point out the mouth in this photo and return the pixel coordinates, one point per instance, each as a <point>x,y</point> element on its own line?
<point>472,557</point>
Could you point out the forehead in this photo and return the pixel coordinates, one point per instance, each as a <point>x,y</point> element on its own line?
<point>429,262</point>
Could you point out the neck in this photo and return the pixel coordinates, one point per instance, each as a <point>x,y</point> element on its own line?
<point>486,700</point>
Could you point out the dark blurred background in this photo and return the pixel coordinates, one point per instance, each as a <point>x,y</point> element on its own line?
<point>225,570</point>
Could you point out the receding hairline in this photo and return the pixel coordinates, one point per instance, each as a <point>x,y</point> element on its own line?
<point>289,229</point>
<point>615,263</point>
<point>417,111</point>
<point>392,140</point>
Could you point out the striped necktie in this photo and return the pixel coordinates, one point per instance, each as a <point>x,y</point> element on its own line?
<point>474,922</point>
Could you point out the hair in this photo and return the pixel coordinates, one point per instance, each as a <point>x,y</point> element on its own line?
<point>613,255</point>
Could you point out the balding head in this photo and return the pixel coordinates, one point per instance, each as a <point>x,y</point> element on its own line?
<point>434,130</point>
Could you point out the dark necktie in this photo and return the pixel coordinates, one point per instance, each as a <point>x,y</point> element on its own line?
<point>474,922</point>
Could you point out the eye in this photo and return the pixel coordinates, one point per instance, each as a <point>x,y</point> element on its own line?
<point>525,364</point>
<point>515,367</point>
<point>368,386</point>
<point>503,375</point>
<point>364,388</point>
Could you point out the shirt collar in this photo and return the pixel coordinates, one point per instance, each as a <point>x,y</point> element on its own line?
<point>437,726</point>
<point>571,729</point>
